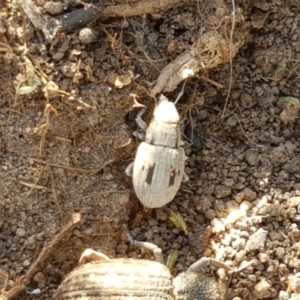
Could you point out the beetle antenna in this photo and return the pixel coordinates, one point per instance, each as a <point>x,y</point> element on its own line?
<point>181,92</point>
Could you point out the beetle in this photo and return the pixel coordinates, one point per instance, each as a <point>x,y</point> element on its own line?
<point>137,279</point>
<point>158,168</point>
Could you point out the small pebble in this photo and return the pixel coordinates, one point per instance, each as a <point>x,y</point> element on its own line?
<point>20,232</point>
<point>54,8</point>
<point>276,236</point>
<point>210,214</point>
<point>222,191</point>
<point>249,195</point>
<point>283,295</point>
<point>293,202</point>
<point>252,158</point>
<point>290,168</point>
<point>256,240</point>
<point>294,283</point>
<point>87,36</point>
<point>262,289</point>
<point>26,263</point>
<point>40,279</point>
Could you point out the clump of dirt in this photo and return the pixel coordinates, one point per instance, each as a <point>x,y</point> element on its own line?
<point>67,107</point>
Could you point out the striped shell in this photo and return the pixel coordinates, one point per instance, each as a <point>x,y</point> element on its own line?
<point>117,279</point>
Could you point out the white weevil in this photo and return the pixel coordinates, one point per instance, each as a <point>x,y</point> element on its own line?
<point>158,168</point>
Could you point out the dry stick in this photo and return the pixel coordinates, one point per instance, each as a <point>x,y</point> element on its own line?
<point>21,282</point>
<point>242,128</point>
<point>3,280</point>
<point>32,186</point>
<point>55,195</point>
<point>81,17</point>
<point>230,57</point>
<point>138,8</point>
<point>218,85</point>
<point>49,108</point>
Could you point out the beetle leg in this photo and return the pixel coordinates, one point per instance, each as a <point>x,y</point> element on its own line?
<point>139,135</point>
<point>143,213</point>
<point>207,262</point>
<point>129,169</point>
<point>157,252</point>
<point>241,268</point>
<point>91,255</point>
<point>141,123</point>
<point>181,92</point>
<point>185,177</point>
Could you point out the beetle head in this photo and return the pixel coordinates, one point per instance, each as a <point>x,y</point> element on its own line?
<point>166,111</point>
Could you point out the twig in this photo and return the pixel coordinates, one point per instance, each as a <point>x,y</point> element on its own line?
<point>138,8</point>
<point>81,17</point>
<point>32,185</point>
<point>55,195</point>
<point>230,56</point>
<point>21,282</point>
<point>217,84</point>
<point>45,127</point>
